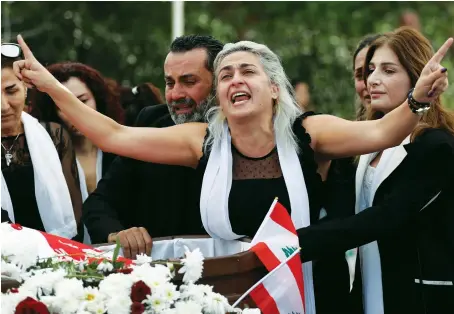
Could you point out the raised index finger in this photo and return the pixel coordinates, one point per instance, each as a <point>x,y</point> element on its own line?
<point>439,55</point>
<point>27,52</point>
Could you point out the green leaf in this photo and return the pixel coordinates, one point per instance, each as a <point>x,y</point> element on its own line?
<point>116,251</point>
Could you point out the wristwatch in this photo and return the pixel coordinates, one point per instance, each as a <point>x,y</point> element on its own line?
<point>417,107</point>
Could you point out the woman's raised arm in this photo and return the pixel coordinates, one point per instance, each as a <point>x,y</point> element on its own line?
<point>335,137</point>
<point>177,145</point>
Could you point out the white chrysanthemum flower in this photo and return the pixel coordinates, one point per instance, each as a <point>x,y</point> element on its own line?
<point>192,265</point>
<point>116,284</point>
<point>43,282</point>
<point>70,286</point>
<point>11,271</point>
<point>105,266</point>
<point>142,259</point>
<point>214,303</point>
<point>120,304</point>
<point>169,311</point>
<point>193,292</point>
<point>251,311</point>
<point>93,300</point>
<point>153,277</point>
<point>168,292</point>
<point>156,303</point>
<point>186,307</point>
<point>63,304</point>
<point>97,308</point>
<point>68,296</point>
<point>9,301</point>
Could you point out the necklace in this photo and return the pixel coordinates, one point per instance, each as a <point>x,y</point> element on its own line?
<point>8,155</point>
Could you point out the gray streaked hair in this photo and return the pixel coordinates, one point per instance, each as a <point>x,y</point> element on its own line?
<point>287,109</point>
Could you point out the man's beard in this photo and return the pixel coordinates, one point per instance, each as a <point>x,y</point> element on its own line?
<point>197,115</point>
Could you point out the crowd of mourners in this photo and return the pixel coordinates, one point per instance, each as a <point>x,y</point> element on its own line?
<point>372,199</point>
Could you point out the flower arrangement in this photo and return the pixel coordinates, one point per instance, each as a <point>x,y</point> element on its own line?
<point>97,284</point>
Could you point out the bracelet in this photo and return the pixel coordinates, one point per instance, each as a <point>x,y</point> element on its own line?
<point>417,107</point>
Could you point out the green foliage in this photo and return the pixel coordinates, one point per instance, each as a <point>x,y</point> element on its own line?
<point>128,41</point>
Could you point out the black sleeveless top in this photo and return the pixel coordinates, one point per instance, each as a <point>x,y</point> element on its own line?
<point>19,175</point>
<point>257,181</point>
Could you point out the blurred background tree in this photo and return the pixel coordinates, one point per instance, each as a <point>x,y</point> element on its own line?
<point>128,41</point>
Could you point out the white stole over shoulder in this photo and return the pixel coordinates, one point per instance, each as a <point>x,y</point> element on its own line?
<point>83,185</point>
<point>51,191</point>
<point>369,253</point>
<point>82,181</point>
<point>217,181</point>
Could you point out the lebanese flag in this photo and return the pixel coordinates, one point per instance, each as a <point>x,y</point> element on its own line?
<point>276,245</point>
<point>50,245</point>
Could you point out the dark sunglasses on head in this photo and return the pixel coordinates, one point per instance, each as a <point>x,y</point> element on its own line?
<point>11,50</point>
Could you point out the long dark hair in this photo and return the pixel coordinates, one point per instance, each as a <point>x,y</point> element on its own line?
<point>133,100</point>
<point>365,42</point>
<point>107,102</point>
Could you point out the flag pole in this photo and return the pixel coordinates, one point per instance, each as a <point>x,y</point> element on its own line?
<point>177,19</point>
<point>264,278</point>
<point>253,242</point>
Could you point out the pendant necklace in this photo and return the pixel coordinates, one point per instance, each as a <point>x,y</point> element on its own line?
<point>8,155</point>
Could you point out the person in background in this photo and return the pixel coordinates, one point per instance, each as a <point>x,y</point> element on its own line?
<point>88,85</point>
<point>359,56</point>
<point>133,100</point>
<point>410,19</point>
<point>302,94</point>
<point>40,184</point>
<point>335,274</point>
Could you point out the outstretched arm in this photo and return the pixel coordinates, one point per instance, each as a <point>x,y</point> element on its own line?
<point>336,138</point>
<point>178,145</point>
<point>431,178</point>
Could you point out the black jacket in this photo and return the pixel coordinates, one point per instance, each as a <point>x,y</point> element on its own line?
<point>140,194</point>
<point>331,273</point>
<point>412,219</point>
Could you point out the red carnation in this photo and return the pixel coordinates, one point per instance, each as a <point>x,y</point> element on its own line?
<point>137,308</point>
<point>139,291</point>
<point>31,306</point>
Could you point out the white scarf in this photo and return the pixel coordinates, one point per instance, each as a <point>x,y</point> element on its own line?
<point>83,186</point>
<point>51,191</point>
<point>217,181</point>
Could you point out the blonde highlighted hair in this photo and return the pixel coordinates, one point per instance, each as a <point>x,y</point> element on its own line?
<point>286,109</point>
<point>413,51</point>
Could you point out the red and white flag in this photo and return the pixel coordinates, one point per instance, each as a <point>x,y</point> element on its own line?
<point>49,245</point>
<point>276,245</point>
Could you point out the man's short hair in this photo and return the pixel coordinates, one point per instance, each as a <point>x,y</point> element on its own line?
<point>189,42</point>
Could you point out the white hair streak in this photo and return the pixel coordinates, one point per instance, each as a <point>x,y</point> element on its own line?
<point>287,109</point>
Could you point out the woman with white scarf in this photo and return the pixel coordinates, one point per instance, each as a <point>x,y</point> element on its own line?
<point>257,129</point>
<point>87,84</point>
<point>404,218</point>
<point>40,187</point>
